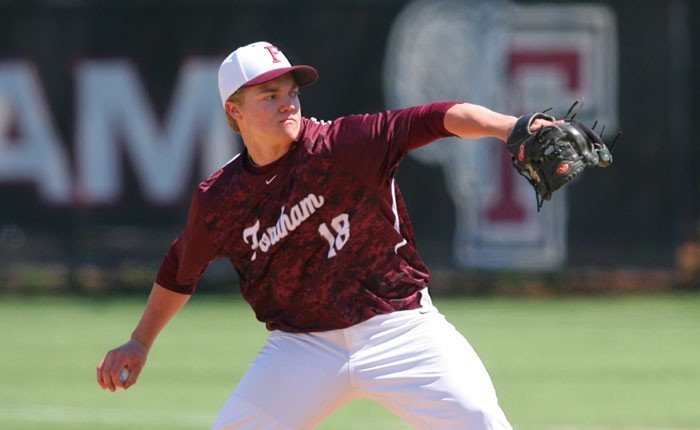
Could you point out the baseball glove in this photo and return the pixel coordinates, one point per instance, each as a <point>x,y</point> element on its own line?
<point>554,155</point>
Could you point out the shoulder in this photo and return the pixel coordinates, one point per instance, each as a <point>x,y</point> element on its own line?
<point>315,135</point>
<point>220,177</point>
<point>312,128</point>
<point>339,130</point>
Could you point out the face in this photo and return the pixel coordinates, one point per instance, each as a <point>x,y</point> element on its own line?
<point>269,112</point>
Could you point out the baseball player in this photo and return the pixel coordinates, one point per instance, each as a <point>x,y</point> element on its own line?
<point>311,217</point>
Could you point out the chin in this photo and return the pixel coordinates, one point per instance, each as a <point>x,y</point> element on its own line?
<point>291,130</point>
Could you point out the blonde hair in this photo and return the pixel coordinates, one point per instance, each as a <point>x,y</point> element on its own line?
<point>236,97</point>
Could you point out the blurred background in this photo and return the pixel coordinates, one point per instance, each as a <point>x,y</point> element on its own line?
<point>109,117</point>
<point>585,313</point>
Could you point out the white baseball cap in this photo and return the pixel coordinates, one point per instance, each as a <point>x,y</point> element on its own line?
<point>256,64</point>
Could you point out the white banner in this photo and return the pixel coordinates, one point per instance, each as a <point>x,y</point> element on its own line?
<point>513,59</point>
<point>114,123</point>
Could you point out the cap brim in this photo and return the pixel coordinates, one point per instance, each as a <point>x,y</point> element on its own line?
<point>303,75</point>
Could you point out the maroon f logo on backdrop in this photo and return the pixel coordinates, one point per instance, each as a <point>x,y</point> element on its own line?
<point>273,50</point>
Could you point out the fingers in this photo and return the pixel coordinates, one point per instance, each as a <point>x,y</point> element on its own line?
<point>100,376</point>
<point>133,376</point>
<point>540,123</point>
<point>108,372</point>
<point>109,369</point>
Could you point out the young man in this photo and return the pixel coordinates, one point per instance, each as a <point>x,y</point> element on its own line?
<point>310,216</point>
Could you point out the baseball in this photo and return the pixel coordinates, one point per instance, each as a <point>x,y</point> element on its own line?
<point>123,375</point>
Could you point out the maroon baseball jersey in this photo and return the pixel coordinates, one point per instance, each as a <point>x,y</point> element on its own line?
<point>320,238</point>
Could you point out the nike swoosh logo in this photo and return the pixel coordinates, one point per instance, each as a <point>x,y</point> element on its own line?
<point>269,181</point>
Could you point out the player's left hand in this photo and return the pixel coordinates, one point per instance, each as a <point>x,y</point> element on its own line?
<point>550,153</point>
<point>543,121</point>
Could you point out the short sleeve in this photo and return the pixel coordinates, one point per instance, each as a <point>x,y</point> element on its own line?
<point>189,254</point>
<point>372,146</point>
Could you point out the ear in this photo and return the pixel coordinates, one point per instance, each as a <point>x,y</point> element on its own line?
<point>232,110</point>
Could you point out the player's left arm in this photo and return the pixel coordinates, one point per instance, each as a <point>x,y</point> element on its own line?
<point>471,121</point>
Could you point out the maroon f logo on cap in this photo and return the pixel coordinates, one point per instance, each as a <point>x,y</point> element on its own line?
<point>273,50</point>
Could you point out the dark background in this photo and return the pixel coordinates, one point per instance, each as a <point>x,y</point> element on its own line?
<point>634,215</point>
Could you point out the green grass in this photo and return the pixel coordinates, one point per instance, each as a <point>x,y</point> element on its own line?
<point>583,364</point>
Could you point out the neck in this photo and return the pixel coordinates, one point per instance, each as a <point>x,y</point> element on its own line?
<point>263,155</point>
<point>265,148</point>
<point>250,159</point>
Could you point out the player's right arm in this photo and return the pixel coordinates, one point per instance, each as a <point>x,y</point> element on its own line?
<point>162,305</point>
<point>189,255</point>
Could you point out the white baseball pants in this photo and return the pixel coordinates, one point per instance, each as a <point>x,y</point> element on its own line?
<point>414,363</point>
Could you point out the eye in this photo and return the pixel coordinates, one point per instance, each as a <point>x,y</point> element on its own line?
<point>294,94</point>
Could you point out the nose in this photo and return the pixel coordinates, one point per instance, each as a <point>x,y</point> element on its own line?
<point>289,104</point>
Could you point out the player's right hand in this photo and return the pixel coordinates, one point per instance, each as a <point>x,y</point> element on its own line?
<point>131,355</point>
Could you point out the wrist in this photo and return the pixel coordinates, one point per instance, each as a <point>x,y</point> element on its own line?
<point>140,342</point>
<point>507,127</point>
